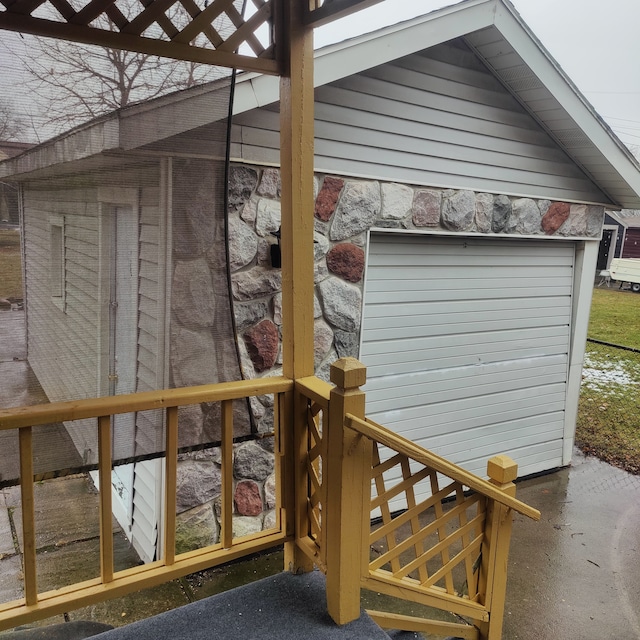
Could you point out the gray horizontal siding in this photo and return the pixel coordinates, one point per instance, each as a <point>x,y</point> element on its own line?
<point>466,344</point>
<point>438,118</point>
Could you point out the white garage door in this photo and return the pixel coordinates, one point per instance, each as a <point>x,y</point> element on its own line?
<point>466,343</point>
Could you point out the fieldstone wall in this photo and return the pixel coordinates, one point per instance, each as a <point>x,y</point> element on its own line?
<point>202,351</point>
<point>345,210</point>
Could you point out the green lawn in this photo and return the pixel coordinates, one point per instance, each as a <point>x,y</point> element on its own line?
<point>609,410</point>
<point>10,268</point>
<point>615,317</point>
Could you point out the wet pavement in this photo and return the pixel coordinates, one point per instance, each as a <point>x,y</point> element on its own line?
<point>19,387</point>
<point>575,575</point>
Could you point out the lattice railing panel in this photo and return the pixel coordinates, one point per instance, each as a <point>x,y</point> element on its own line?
<point>316,447</point>
<point>433,541</point>
<point>210,31</point>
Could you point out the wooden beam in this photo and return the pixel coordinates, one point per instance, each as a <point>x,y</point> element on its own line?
<point>295,53</point>
<point>296,161</point>
<point>130,42</point>
<point>332,10</point>
<point>92,407</point>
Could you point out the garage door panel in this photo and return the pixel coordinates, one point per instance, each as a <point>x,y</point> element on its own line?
<point>377,314</point>
<point>446,361</point>
<point>531,459</point>
<point>448,247</point>
<point>461,326</point>
<point>441,352</point>
<point>394,386</point>
<point>466,270</point>
<point>477,342</point>
<point>493,287</point>
<point>467,386</point>
<point>468,413</point>
<point>446,293</point>
<point>466,343</point>
<point>513,434</point>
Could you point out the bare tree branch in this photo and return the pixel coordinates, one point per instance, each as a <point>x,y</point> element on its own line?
<point>74,83</point>
<point>11,124</point>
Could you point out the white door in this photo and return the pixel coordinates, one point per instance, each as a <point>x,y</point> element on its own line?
<point>466,343</point>
<point>123,323</point>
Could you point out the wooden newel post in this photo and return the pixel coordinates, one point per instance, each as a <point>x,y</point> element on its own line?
<point>348,477</point>
<point>502,471</point>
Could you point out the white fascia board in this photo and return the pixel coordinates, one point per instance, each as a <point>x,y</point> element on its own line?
<point>526,45</point>
<point>379,47</point>
<point>82,143</point>
<point>254,91</point>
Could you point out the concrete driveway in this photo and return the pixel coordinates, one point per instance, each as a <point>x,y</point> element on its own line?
<point>576,574</point>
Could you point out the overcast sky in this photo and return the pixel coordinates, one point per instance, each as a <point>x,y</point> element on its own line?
<point>596,42</point>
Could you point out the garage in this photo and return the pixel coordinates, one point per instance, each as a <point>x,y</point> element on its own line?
<point>467,344</point>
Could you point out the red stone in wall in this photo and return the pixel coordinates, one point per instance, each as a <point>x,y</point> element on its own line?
<point>262,344</point>
<point>328,198</point>
<point>555,217</point>
<point>247,498</point>
<point>347,261</point>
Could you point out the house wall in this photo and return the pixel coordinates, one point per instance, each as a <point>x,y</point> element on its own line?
<point>436,118</point>
<point>631,246</point>
<point>62,331</point>
<point>345,210</point>
<point>68,335</point>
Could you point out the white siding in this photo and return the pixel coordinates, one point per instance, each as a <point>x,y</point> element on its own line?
<point>438,118</point>
<point>466,343</point>
<point>150,372</point>
<point>63,342</point>
<point>146,508</point>
<point>150,318</point>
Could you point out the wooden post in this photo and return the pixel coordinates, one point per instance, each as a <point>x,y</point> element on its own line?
<point>295,42</point>
<point>502,471</point>
<point>347,474</point>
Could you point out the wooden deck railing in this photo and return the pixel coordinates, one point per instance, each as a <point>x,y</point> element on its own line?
<point>443,533</point>
<point>441,538</point>
<point>111,584</point>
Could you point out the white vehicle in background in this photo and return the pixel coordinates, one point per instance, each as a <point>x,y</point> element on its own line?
<point>626,270</point>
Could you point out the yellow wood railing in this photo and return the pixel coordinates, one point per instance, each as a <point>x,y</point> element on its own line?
<point>111,584</point>
<point>440,536</point>
<point>443,534</point>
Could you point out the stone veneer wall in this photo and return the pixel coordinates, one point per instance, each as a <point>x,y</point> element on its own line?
<point>345,209</point>
<point>202,351</point>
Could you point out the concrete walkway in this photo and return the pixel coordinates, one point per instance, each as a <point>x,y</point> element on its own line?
<point>575,575</point>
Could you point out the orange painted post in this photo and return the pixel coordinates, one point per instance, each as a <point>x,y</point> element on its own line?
<point>297,219</point>
<point>502,471</point>
<point>226,528</point>
<point>347,474</point>
<point>171,475</point>
<point>104,473</point>
<point>25,438</point>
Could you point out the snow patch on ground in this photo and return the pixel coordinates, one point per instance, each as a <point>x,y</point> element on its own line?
<point>602,376</point>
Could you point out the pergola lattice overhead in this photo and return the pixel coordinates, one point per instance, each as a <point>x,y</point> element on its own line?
<point>206,31</point>
<point>195,30</point>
